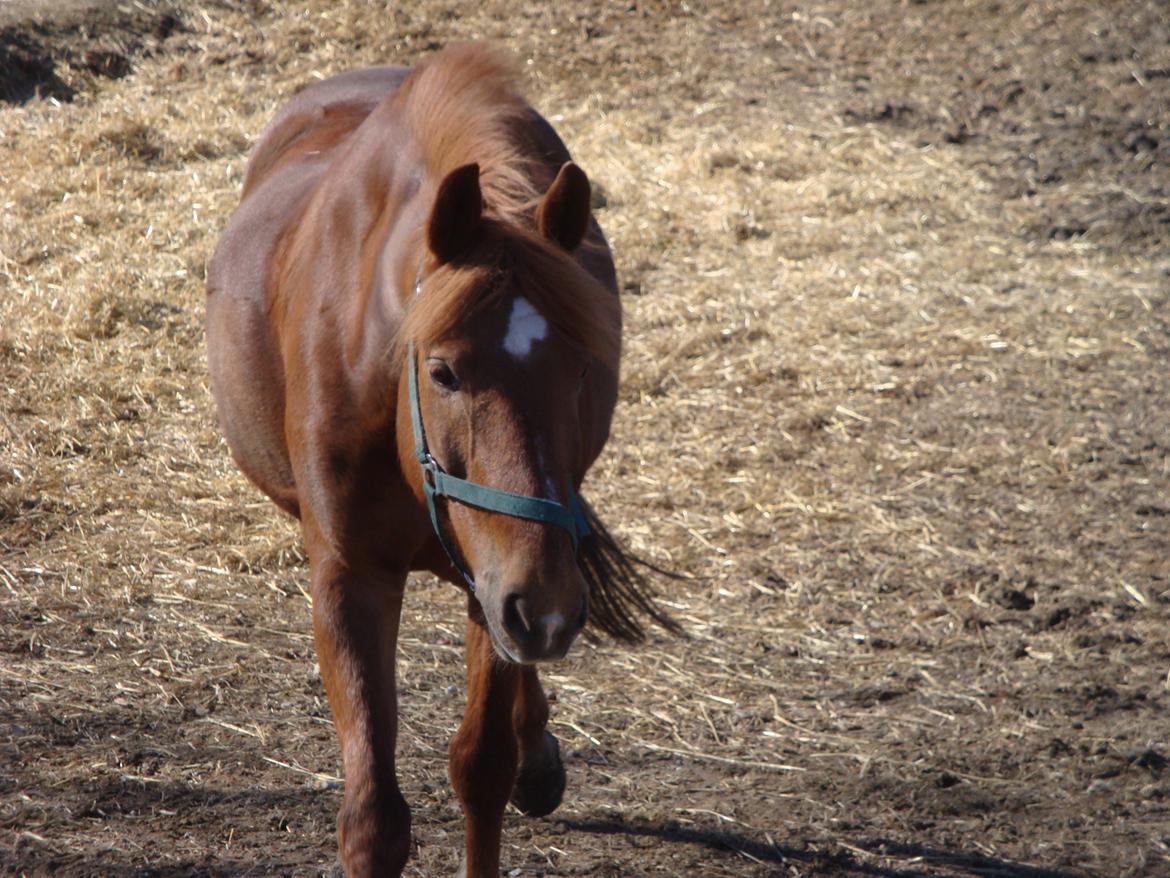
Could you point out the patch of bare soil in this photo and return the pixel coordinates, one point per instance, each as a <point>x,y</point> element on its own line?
<point>57,49</point>
<point>894,398</point>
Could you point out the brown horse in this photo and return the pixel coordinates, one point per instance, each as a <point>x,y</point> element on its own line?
<point>414,332</point>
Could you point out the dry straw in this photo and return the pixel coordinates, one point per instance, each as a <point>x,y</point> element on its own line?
<point>909,447</point>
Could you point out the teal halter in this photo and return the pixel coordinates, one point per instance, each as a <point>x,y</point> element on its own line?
<point>436,481</point>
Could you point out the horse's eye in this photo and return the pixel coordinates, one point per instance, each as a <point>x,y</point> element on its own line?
<point>442,375</point>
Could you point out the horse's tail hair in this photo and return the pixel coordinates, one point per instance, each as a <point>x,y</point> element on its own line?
<point>619,593</point>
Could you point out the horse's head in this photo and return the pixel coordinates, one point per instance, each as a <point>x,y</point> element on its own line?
<point>514,348</point>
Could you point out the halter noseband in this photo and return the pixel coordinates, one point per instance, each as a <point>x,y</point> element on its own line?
<point>438,482</point>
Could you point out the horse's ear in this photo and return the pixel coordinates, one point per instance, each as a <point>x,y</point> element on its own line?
<point>563,215</point>
<point>455,218</point>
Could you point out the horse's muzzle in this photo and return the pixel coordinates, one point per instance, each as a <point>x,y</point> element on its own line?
<point>535,636</point>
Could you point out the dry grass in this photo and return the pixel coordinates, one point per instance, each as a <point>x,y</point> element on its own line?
<point>909,439</point>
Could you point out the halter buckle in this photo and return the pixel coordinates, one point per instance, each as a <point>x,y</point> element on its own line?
<point>431,469</point>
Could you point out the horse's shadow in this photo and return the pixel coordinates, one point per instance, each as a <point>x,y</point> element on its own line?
<point>120,796</point>
<point>840,862</point>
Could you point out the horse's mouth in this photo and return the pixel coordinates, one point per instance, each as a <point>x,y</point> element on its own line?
<point>512,653</point>
<point>505,654</point>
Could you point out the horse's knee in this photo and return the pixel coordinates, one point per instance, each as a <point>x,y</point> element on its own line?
<point>373,835</point>
<point>482,772</point>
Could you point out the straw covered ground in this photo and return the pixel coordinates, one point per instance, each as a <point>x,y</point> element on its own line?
<point>895,399</point>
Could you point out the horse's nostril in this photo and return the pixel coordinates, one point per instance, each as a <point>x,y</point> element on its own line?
<point>516,619</point>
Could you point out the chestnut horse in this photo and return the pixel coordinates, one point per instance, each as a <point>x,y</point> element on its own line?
<point>413,331</point>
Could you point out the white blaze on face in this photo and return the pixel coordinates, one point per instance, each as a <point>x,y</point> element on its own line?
<point>525,328</point>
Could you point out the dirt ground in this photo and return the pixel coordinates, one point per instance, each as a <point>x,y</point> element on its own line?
<point>895,400</point>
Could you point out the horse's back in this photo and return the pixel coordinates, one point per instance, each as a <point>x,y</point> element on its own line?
<point>320,116</point>
<point>286,165</point>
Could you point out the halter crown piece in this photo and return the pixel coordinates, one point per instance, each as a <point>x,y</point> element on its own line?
<point>438,482</point>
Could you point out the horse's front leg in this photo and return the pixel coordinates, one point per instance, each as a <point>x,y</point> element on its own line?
<point>483,754</point>
<point>355,621</point>
<point>540,779</point>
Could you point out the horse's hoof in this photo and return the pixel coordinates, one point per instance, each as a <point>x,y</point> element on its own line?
<point>540,782</point>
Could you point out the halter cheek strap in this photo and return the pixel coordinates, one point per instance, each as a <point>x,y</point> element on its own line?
<point>438,482</point>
